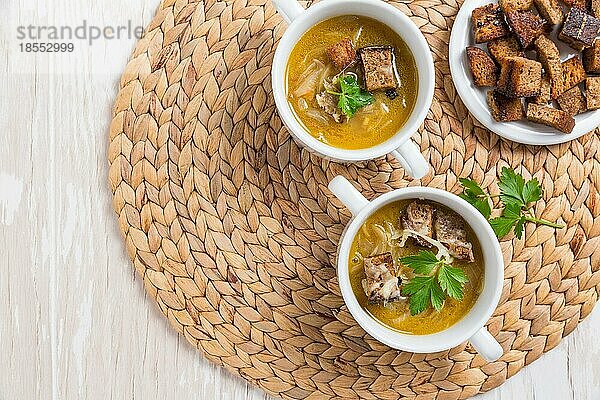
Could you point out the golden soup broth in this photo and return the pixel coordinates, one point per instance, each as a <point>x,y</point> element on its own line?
<point>396,315</point>
<point>371,125</point>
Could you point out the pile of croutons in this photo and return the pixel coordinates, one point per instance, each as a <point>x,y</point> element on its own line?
<point>550,87</point>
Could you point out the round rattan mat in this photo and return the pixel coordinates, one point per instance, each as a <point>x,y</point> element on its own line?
<point>234,232</point>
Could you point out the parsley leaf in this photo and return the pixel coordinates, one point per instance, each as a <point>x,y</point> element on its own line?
<point>511,187</point>
<point>514,189</point>
<point>352,97</point>
<point>520,227</point>
<point>502,226</point>
<point>423,263</point>
<point>475,196</point>
<point>451,281</point>
<point>435,279</point>
<point>437,297</point>
<point>532,191</point>
<point>511,215</point>
<point>423,291</point>
<point>516,195</point>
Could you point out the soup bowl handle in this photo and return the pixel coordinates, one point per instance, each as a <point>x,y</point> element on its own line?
<point>411,159</point>
<point>486,345</point>
<point>288,9</point>
<point>347,194</point>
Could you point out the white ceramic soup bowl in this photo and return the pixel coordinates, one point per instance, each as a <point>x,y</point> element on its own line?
<point>472,326</point>
<point>399,145</point>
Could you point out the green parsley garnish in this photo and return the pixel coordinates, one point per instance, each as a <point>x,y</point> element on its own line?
<point>435,280</point>
<point>352,97</point>
<point>476,196</point>
<point>516,195</point>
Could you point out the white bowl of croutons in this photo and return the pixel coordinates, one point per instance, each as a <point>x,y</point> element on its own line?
<point>526,69</point>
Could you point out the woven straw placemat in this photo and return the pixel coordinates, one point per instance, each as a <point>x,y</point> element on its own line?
<point>234,232</point>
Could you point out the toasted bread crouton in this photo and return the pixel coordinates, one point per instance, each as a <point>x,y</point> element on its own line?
<point>573,71</point>
<point>592,93</point>
<point>379,66</point>
<point>550,10</point>
<point>488,23</point>
<point>581,4</point>
<point>526,25</point>
<point>504,109</point>
<point>515,5</point>
<point>591,58</point>
<point>450,230</point>
<point>549,55</point>
<point>545,95</point>
<point>572,101</point>
<point>483,68</point>
<point>503,47</point>
<point>595,8</point>
<point>557,119</point>
<point>419,218</point>
<point>520,77</point>
<point>579,29</point>
<point>381,285</point>
<point>342,54</point>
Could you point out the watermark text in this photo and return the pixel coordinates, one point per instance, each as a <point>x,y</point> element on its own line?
<point>83,32</point>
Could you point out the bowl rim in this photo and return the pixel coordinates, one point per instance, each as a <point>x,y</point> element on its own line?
<point>469,324</point>
<point>395,20</point>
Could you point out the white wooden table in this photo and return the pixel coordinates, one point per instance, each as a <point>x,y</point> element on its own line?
<point>74,319</point>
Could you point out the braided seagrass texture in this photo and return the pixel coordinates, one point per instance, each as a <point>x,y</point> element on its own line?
<point>234,232</point>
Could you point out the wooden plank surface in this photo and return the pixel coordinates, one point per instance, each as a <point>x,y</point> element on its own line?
<point>74,319</point>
